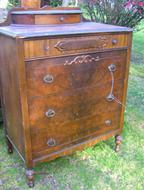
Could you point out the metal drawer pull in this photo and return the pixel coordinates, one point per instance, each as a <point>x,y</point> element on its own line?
<point>50,113</point>
<point>110,98</point>
<point>114,41</point>
<point>61,19</point>
<point>48,79</point>
<point>46,48</point>
<point>112,68</point>
<point>51,142</point>
<point>108,122</point>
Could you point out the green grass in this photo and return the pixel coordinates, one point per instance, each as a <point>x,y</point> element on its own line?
<point>98,167</point>
<point>138,45</point>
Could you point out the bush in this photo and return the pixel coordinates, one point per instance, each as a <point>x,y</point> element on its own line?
<point>13,3</point>
<point>118,12</point>
<point>53,3</point>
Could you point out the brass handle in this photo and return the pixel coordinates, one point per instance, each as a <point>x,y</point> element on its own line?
<point>48,79</point>
<point>114,41</point>
<point>51,142</point>
<point>50,113</point>
<point>108,122</point>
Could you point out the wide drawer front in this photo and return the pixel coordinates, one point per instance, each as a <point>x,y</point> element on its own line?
<point>64,46</point>
<point>61,74</point>
<point>47,139</point>
<point>56,110</point>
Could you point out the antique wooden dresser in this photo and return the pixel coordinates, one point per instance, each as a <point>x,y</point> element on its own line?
<point>63,83</point>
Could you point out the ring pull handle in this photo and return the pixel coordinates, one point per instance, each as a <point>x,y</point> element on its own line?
<point>110,98</point>
<point>50,113</point>
<point>48,79</point>
<point>51,142</point>
<point>112,68</point>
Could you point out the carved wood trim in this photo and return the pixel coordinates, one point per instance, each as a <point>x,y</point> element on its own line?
<point>82,59</point>
<point>87,43</point>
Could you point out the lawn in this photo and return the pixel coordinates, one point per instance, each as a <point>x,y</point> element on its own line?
<point>98,167</point>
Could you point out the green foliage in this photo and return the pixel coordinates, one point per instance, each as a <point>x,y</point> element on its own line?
<point>13,3</point>
<point>118,12</point>
<point>55,3</point>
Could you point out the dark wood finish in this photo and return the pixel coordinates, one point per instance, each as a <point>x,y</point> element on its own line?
<point>30,177</point>
<point>75,45</point>
<point>34,17</point>
<point>73,76</point>
<point>10,92</point>
<point>9,146</point>
<point>63,87</point>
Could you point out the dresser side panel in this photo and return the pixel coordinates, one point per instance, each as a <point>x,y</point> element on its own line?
<point>11,94</point>
<point>124,97</point>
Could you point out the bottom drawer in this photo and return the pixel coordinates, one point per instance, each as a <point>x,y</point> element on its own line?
<point>48,140</point>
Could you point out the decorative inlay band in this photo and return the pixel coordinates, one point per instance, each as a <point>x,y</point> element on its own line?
<point>97,42</point>
<point>82,59</point>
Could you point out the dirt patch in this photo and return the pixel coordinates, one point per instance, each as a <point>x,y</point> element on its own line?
<point>142,126</point>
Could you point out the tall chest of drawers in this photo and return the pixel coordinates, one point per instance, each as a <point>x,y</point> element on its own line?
<point>63,85</point>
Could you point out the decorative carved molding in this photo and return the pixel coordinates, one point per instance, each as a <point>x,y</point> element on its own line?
<point>87,43</point>
<point>82,59</point>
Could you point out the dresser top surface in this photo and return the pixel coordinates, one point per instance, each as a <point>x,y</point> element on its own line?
<point>37,12</point>
<point>29,31</point>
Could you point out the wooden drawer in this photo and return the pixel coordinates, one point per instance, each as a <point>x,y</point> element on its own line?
<point>64,46</point>
<point>45,19</point>
<point>37,48</point>
<point>73,72</point>
<point>56,110</point>
<point>46,140</point>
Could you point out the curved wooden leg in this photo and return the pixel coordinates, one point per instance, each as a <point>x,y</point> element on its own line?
<point>30,177</point>
<point>9,146</point>
<point>118,140</point>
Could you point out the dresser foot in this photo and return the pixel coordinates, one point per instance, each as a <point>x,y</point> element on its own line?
<point>30,177</point>
<point>118,140</point>
<point>9,146</point>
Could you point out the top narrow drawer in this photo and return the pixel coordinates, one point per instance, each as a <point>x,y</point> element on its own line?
<point>64,46</point>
